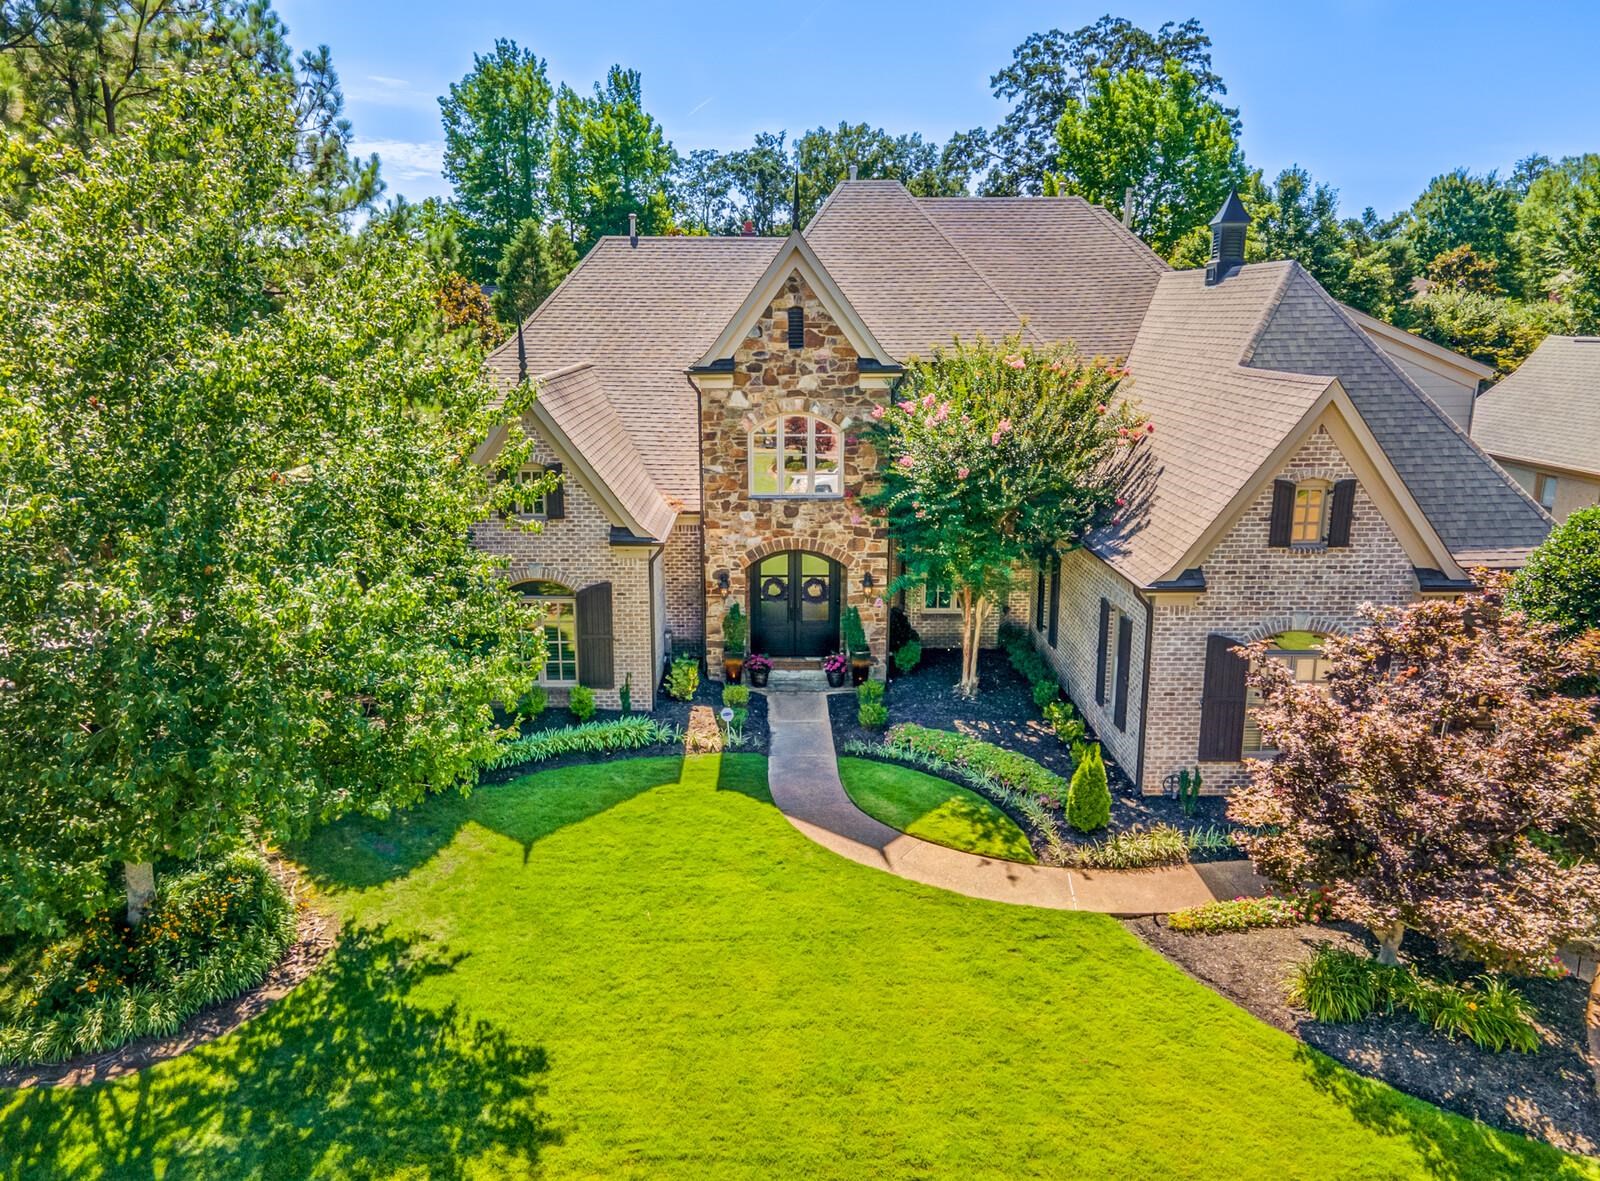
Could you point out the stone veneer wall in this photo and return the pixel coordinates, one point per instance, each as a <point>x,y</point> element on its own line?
<point>576,552</point>
<point>684,574</point>
<point>1254,591</point>
<point>771,379</point>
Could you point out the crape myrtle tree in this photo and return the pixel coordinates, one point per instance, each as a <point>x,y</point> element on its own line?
<point>995,454</point>
<point>1443,782</point>
<point>237,592</point>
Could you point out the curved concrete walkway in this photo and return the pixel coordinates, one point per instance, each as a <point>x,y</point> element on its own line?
<point>803,774</point>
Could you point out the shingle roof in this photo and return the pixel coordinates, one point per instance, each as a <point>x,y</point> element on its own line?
<point>1548,411</point>
<point>581,410</point>
<point>641,315</point>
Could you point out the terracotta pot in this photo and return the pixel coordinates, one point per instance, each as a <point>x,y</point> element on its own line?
<point>732,666</point>
<point>758,678</point>
<point>835,679</point>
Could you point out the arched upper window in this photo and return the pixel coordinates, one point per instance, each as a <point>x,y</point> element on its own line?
<point>797,455</point>
<point>1302,652</point>
<point>554,610</point>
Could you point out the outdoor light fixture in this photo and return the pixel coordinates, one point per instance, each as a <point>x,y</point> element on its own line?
<point>866,580</point>
<point>722,581</point>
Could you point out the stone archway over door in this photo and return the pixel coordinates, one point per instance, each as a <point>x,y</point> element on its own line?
<point>795,601</point>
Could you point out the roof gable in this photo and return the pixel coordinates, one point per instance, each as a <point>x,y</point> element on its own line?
<point>1548,411</point>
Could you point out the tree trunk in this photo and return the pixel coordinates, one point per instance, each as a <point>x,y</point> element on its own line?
<point>971,631</point>
<point>140,879</point>
<point>1389,942</point>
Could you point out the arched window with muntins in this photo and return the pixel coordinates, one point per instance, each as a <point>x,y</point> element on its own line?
<point>797,455</point>
<point>553,609</point>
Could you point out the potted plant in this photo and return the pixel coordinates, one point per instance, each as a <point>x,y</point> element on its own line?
<point>758,666</point>
<point>855,643</point>
<point>735,627</point>
<point>834,666</point>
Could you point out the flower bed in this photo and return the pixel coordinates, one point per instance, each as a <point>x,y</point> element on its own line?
<point>635,732</point>
<point>1244,914</point>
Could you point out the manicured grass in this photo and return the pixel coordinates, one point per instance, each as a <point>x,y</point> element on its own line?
<point>934,809</point>
<point>641,970</point>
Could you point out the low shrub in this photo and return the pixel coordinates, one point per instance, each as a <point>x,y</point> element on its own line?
<point>736,696</point>
<point>1064,720</point>
<point>213,931</point>
<point>531,704</point>
<point>580,700</point>
<point>869,692</point>
<point>683,678</point>
<point>874,715</point>
<point>907,656</point>
<point>1137,848</point>
<point>1243,914</point>
<point>1089,794</point>
<point>1211,839</point>
<point>1335,985</point>
<point>1046,692</point>
<point>1007,767</point>
<point>628,733</point>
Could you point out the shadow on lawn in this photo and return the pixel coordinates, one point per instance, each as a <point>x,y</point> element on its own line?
<point>346,1077</point>
<point>1453,1149</point>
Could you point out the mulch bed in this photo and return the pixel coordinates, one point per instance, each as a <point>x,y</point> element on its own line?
<point>1548,1094</point>
<point>1003,713</point>
<point>315,936</point>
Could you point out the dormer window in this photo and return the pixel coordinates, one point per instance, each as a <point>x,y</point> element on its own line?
<point>797,328</point>
<point>1310,525</point>
<point>796,455</point>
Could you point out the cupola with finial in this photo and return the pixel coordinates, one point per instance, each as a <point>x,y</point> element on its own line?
<point>1228,230</point>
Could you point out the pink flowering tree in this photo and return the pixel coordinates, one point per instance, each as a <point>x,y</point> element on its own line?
<point>994,455</point>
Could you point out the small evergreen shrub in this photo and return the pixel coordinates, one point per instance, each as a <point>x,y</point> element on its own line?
<point>735,627</point>
<point>683,678</point>
<point>1089,796</point>
<point>531,704</point>
<point>869,691</point>
<point>736,697</point>
<point>625,694</point>
<point>630,733</point>
<point>1046,692</point>
<point>855,636</point>
<point>908,656</point>
<point>580,700</point>
<point>874,715</point>
<point>1189,784</point>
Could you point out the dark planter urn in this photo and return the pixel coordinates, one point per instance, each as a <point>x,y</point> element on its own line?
<point>860,669</point>
<point>835,679</point>
<point>732,667</point>
<point>758,678</point>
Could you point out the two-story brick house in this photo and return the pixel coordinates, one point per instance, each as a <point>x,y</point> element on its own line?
<point>702,398</point>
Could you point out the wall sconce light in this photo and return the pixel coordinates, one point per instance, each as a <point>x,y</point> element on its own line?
<point>722,581</point>
<point>866,580</point>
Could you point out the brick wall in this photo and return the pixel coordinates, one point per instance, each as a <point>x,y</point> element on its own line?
<point>942,629</point>
<point>575,552</point>
<point>685,583</point>
<point>1254,591</point>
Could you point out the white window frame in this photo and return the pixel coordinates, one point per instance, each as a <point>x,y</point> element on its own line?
<point>1324,493</point>
<point>1309,660</point>
<point>1544,490</point>
<point>525,475</point>
<point>566,607</point>
<point>810,475</point>
<point>932,591</point>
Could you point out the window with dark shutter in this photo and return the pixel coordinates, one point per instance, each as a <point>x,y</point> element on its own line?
<point>1038,600</point>
<point>1342,515</point>
<point>1119,708</point>
<point>1222,702</point>
<point>1102,650</point>
<point>1281,531</point>
<point>596,667</point>
<point>555,500</point>
<point>797,328</point>
<point>1055,599</point>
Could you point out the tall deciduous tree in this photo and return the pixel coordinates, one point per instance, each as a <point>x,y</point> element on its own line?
<point>1558,235</point>
<point>1159,135</point>
<point>1561,582</point>
<point>1427,787</point>
<point>237,591</point>
<point>823,158</point>
<point>995,455</point>
<point>1460,209</point>
<point>497,136</point>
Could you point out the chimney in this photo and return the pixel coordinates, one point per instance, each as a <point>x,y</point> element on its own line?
<point>748,230</point>
<point>1227,239</point>
<point>633,229</point>
<point>852,170</point>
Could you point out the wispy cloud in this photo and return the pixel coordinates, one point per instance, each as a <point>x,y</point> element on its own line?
<point>381,90</point>
<point>699,106</point>
<point>404,160</point>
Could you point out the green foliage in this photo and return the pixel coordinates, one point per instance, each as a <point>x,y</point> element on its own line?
<point>580,700</point>
<point>527,271</point>
<point>1006,767</point>
<point>683,678</point>
<point>1158,133</point>
<point>735,630</point>
<point>1089,796</point>
<point>1046,691</point>
<point>625,694</point>
<point>736,696</point>
<point>1245,914</point>
<point>1337,985</point>
<point>1496,330</point>
<point>1558,230</point>
<point>870,691</point>
<point>874,715</point>
<point>855,636</point>
<point>1189,785</point>
<point>1561,582</point>
<point>907,656</point>
<point>215,931</point>
<point>1064,721</point>
<point>531,704</point>
<point>1136,848</point>
<point>251,546</point>
<point>630,733</point>
<point>1460,209</point>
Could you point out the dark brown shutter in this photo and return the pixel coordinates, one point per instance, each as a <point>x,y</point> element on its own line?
<point>1282,527</point>
<point>1055,598</point>
<point>1100,652</point>
<point>1222,702</point>
<point>1344,510</point>
<point>555,500</point>
<point>596,668</point>
<point>797,328</point>
<point>1119,709</point>
<point>1038,600</point>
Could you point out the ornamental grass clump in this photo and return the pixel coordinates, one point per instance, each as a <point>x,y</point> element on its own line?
<point>1137,848</point>
<point>1007,767</point>
<point>630,733</point>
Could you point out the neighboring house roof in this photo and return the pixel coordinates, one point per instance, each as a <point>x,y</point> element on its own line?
<point>1548,411</point>
<point>1463,367</point>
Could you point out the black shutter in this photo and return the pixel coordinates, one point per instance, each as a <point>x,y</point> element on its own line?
<point>555,500</point>
<point>1119,713</point>
<point>1222,702</point>
<point>595,665</point>
<point>1344,511</point>
<point>1038,600</point>
<point>1055,599</point>
<point>1282,527</point>
<point>1100,654</point>
<point>797,328</point>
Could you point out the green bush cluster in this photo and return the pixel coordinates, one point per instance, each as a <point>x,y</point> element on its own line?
<point>213,931</point>
<point>628,733</point>
<point>907,656</point>
<point>736,696</point>
<point>683,678</point>
<point>1338,985</point>
<point>1066,723</point>
<point>1007,767</point>
<point>1089,794</point>
<point>871,712</point>
<point>1244,914</point>
<point>531,704</point>
<point>1030,666</point>
<point>580,700</point>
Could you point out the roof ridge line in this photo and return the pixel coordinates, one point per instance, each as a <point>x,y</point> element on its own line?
<point>1022,321</point>
<point>1138,247</point>
<point>1268,310</point>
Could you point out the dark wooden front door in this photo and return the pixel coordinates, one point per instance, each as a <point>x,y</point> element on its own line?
<point>794,604</point>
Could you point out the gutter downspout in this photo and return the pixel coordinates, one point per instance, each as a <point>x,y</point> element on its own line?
<point>1144,687</point>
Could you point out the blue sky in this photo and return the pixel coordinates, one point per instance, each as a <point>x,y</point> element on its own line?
<point>1373,97</point>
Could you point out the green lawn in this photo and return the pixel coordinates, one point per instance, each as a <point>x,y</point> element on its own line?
<point>934,809</point>
<point>642,970</point>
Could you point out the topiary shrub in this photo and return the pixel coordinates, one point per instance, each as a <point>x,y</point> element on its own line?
<point>855,635</point>
<point>908,656</point>
<point>735,627</point>
<point>874,715</point>
<point>580,700</point>
<point>869,691</point>
<point>683,678</point>
<point>1045,691</point>
<point>736,696</point>
<point>1089,796</point>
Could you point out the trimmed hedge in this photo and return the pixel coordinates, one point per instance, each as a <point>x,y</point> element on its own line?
<point>629,733</point>
<point>213,932</point>
<point>1007,767</point>
<point>1242,914</point>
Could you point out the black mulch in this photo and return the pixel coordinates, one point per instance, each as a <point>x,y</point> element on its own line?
<point>1003,713</point>
<point>1548,1094</point>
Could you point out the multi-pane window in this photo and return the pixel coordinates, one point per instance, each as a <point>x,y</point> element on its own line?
<point>1302,652</point>
<point>1544,488</point>
<point>553,612</point>
<point>796,455</point>
<point>936,595</point>
<point>527,504</point>
<point>1310,515</point>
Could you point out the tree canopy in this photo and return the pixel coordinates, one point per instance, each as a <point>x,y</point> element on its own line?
<point>1561,582</point>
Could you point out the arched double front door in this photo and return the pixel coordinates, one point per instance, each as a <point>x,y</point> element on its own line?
<point>794,604</point>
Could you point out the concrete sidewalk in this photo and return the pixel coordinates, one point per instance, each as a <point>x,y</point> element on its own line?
<point>803,774</point>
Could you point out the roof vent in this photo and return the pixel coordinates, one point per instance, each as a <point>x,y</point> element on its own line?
<point>633,229</point>
<point>1228,230</point>
<point>852,170</point>
<point>797,328</point>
